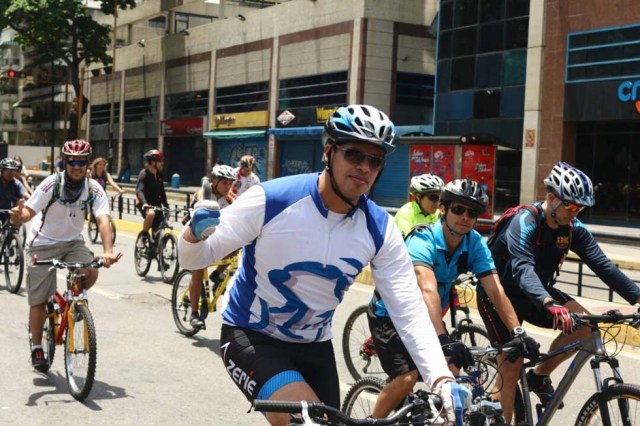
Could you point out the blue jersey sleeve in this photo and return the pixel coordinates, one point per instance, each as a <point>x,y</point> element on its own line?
<point>422,248</point>
<point>586,247</point>
<point>521,235</point>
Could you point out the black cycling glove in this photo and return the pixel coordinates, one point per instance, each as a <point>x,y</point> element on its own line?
<point>527,347</point>
<point>459,353</point>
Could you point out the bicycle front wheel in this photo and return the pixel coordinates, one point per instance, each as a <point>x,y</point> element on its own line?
<point>616,405</point>
<point>169,257</point>
<point>357,346</point>
<point>143,255</point>
<point>80,352</point>
<point>92,228</point>
<point>471,335</point>
<point>13,262</point>
<point>361,398</point>
<point>181,303</point>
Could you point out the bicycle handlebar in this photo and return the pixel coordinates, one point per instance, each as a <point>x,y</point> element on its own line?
<point>319,409</point>
<point>95,263</point>
<point>613,316</point>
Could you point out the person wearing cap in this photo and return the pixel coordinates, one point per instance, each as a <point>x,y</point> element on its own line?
<point>528,252</point>
<point>439,253</point>
<point>305,238</point>
<point>11,190</point>
<point>150,191</point>
<point>245,177</point>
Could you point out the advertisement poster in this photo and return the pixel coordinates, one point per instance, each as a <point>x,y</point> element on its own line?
<point>419,160</point>
<point>443,161</point>
<point>478,163</point>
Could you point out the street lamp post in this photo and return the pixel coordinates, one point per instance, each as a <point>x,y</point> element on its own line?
<point>113,90</point>
<point>53,122</point>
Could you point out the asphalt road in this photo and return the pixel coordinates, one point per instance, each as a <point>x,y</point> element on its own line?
<point>149,374</point>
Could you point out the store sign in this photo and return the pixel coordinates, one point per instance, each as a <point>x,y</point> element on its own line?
<point>183,127</point>
<point>240,120</point>
<point>630,92</point>
<point>323,114</point>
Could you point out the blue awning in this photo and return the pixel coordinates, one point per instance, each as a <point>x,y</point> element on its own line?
<point>296,131</point>
<point>234,134</point>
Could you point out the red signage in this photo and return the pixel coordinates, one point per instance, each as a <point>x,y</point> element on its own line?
<point>478,163</point>
<point>183,127</point>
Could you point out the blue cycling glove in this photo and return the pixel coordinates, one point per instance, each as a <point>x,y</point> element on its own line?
<point>205,218</point>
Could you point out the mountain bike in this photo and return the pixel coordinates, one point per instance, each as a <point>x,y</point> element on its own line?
<point>11,255</point>
<point>209,294</point>
<point>424,408</point>
<point>163,247</point>
<point>614,402</point>
<point>92,225</point>
<point>480,378</point>
<point>360,353</point>
<point>70,322</point>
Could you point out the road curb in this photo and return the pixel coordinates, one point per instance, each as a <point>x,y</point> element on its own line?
<point>627,335</point>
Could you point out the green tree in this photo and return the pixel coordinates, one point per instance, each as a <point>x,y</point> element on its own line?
<point>62,31</point>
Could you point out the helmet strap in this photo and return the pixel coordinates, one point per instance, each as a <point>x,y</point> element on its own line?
<point>444,220</point>
<point>215,188</point>
<point>334,185</point>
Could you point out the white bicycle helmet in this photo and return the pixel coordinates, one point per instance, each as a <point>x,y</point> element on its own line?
<point>570,184</point>
<point>465,191</point>
<point>223,172</point>
<point>425,183</point>
<point>360,123</point>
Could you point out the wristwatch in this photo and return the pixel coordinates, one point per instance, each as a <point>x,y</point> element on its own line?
<point>518,331</point>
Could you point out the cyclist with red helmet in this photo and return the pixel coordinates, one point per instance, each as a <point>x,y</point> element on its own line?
<point>245,178</point>
<point>58,206</point>
<point>150,190</point>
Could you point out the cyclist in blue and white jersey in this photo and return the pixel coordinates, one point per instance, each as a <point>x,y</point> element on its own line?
<point>305,239</point>
<point>528,253</point>
<point>441,252</point>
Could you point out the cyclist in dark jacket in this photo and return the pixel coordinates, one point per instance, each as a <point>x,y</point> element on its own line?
<point>528,253</point>
<point>150,190</point>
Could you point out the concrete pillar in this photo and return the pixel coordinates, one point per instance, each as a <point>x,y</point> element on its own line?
<point>533,103</point>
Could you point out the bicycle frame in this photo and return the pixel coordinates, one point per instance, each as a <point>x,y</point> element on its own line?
<point>592,348</point>
<point>67,308</point>
<point>232,264</point>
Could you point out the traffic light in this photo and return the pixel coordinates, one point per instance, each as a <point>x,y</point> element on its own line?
<point>13,74</point>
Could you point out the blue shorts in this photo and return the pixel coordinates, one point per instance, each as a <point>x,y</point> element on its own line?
<point>260,365</point>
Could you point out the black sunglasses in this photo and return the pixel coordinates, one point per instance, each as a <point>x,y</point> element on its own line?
<point>459,211</point>
<point>356,157</point>
<point>433,197</point>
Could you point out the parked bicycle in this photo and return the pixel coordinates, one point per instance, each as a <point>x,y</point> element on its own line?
<point>92,224</point>
<point>209,294</point>
<point>70,322</point>
<point>480,378</point>
<point>360,353</point>
<point>163,247</point>
<point>614,402</point>
<point>424,409</point>
<point>11,255</point>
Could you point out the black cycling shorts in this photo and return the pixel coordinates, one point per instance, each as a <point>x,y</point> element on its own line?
<point>260,365</point>
<point>393,355</point>
<point>157,219</point>
<point>524,308</point>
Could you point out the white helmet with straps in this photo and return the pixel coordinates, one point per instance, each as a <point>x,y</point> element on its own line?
<point>426,183</point>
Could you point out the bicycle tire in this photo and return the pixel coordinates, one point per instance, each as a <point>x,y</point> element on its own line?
<point>142,254</point>
<point>23,235</point>
<point>113,231</point>
<point>92,228</point>
<point>472,335</point>
<point>181,304</point>
<point>80,359</point>
<point>623,394</point>
<point>13,262</point>
<point>361,397</point>
<point>169,256</point>
<point>354,337</point>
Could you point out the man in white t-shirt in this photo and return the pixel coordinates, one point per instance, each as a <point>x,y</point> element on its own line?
<point>58,206</point>
<point>245,178</point>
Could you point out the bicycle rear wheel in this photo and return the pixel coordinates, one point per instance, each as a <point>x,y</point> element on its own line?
<point>92,228</point>
<point>361,398</point>
<point>169,257</point>
<point>13,262</point>
<point>471,335</point>
<point>621,406</point>
<point>357,346</point>
<point>143,254</point>
<point>181,303</point>
<point>80,352</point>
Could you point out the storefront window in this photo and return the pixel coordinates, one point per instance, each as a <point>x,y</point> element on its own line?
<point>489,71</point>
<point>463,73</point>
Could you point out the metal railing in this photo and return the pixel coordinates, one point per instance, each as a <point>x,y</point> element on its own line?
<point>127,205</point>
